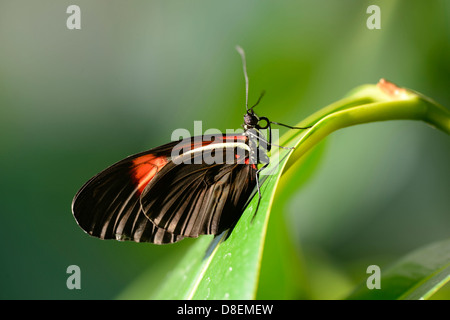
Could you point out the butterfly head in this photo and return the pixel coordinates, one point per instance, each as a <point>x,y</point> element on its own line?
<point>252,121</point>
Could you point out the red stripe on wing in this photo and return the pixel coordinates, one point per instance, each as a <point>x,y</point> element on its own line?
<point>247,161</point>
<point>144,168</point>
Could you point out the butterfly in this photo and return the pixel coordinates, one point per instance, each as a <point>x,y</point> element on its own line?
<point>186,188</point>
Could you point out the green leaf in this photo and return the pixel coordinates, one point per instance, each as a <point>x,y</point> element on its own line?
<point>283,268</point>
<point>416,276</point>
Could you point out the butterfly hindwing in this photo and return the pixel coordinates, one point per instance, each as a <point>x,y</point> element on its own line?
<point>195,199</point>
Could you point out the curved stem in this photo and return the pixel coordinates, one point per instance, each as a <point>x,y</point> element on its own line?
<point>370,103</point>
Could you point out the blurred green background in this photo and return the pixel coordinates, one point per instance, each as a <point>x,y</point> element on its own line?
<point>72,102</point>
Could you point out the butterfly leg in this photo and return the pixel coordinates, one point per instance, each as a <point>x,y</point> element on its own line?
<point>259,189</point>
<point>290,127</point>
<point>269,144</point>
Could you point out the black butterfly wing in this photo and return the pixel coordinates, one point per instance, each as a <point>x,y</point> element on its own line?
<point>209,198</point>
<point>108,206</point>
<point>194,199</point>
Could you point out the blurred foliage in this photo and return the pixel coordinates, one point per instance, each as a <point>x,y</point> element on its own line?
<point>74,102</point>
<point>416,276</point>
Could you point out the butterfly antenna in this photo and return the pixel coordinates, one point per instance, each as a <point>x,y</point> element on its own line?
<point>244,65</point>
<point>259,99</point>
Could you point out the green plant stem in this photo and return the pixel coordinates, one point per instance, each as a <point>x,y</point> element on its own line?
<point>369,103</point>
